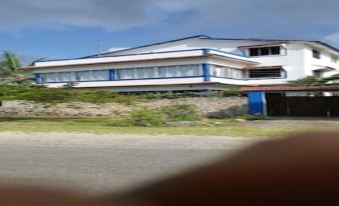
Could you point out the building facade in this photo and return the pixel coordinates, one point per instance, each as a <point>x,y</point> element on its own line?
<point>198,63</point>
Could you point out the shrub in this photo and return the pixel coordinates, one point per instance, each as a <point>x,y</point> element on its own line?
<point>233,91</point>
<point>254,117</point>
<point>121,123</point>
<point>180,112</point>
<point>146,118</point>
<point>54,95</point>
<point>309,81</point>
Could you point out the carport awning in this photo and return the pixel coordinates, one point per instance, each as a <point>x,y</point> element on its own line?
<point>291,88</point>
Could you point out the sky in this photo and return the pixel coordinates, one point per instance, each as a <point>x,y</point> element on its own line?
<point>57,29</point>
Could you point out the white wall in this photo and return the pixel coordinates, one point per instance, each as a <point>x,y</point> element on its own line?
<point>312,63</point>
<point>291,58</point>
<point>148,82</point>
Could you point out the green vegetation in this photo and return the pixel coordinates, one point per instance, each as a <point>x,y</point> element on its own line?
<point>314,81</point>
<point>146,118</point>
<point>9,70</point>
<point>253,117</point>
<point>104,126</point>
<point>180,112</point>
<point>158,117</point>
<point>233,91</point>
<point>56,95</point>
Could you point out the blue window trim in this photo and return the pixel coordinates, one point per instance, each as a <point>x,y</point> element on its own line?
<point>37,78</point>
<point>112,75</point>
<point>206,70</point>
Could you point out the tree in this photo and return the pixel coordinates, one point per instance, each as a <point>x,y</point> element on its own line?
<point>9,70</point>
<point>314,81</point>
<point>9,65</point>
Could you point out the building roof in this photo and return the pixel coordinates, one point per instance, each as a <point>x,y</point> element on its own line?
<point>227,39</point>
<point>290,88</point>
<point>168,55</point>
<point>102,55</point>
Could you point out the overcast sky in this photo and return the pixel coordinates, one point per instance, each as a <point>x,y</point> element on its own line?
<point>74,28</point>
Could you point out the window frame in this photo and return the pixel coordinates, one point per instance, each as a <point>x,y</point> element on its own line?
<point>316,54</point>
<point>282,73</point>
<point>264,51</point>
<point>334,59</point>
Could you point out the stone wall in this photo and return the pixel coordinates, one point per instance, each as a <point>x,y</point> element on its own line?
<point>213,107</point>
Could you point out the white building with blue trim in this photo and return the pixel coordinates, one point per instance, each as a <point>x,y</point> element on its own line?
<point>198,63</point>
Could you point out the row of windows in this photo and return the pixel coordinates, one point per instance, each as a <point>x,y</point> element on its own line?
<point>160,72</point>
<point>95,75</point>
<point>265,73</point>
<point>264,51</point>
<point>233,73</point>
<point>276,50</point>
<point>123,74</point>
<point>227,72</point>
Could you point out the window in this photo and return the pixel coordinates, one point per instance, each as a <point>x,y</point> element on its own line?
<point>180,71</point>
<point>265,73</point>
<point>275,50</point>
<point>316,54</point>
<point>227,72</point>
<point>160,72</point>
<point>318,73</point>
<point>95,75</point>
<point>264,51</point>
<point>334,59</point>
<point>254,52</point>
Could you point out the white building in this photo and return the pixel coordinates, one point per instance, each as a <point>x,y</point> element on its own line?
<point>195,63</point>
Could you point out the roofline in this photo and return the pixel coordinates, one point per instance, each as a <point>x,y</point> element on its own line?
<point>154,44</point>
<point>206,53</point>
<point>281,40</point>
<point>204,37</point>
<point>227,39</point>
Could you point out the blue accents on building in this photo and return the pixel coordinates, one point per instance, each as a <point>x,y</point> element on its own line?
<point>206,72</point>
<point>206,52</point>
<point>256,102</point>
<point>113,75</point>
<point>37,78</point>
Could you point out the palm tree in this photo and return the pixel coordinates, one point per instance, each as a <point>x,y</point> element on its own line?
<point>9,70</point>
<point>9,65</point>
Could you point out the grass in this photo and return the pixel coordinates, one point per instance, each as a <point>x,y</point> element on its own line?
<point>103,126</point>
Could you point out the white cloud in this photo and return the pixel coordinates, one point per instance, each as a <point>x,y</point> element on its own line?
<point>108,14</point>
<point>332,38</point>
<point>252,18</point>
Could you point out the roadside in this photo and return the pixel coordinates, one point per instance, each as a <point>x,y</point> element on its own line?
<point>222,127</point>
<point>97,164</point>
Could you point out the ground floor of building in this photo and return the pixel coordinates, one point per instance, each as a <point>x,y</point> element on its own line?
<point>294,101</point>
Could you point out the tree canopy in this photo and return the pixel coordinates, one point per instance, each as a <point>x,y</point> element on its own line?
<point>9,70</point>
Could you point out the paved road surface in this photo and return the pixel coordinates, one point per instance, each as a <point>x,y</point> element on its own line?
<point>102,163</point>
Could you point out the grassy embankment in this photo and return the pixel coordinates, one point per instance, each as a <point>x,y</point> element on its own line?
<point>104,126</point>
<point>140,122</point>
